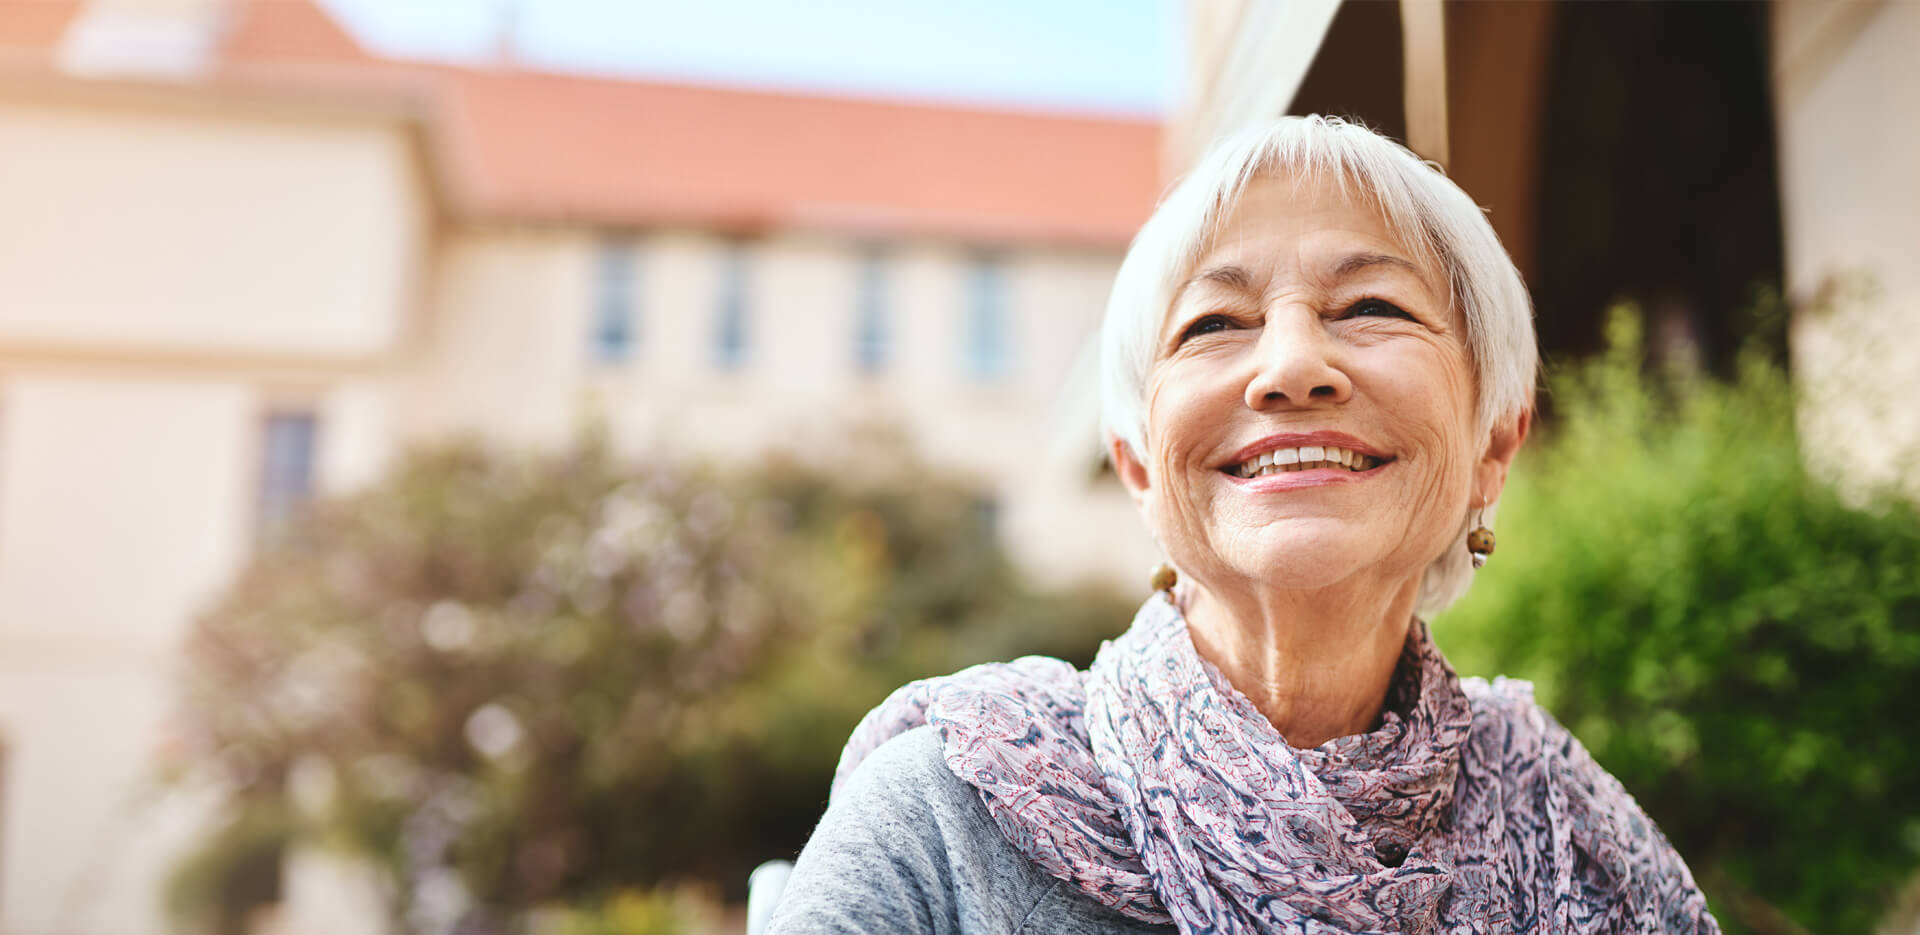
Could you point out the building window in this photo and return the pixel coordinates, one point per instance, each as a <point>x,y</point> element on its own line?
<point>986,342</point>
<point>870,314</point>
<point>730,332</point>
<point>286,466</point>
<point>615,302</point>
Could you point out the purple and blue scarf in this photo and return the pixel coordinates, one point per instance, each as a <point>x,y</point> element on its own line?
<point>1156,788</point>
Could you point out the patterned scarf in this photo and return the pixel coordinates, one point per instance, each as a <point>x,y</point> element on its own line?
<point>1155,787</point>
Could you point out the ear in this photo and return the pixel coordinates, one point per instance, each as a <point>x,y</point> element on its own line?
<point>1490,475</point>
<point>1132,473</point>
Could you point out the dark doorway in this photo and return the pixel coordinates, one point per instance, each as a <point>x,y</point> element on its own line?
<point>1657,181</point>
<point>1357,72</point>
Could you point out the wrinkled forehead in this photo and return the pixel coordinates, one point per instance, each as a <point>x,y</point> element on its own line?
<point>1402,231</point>
<point>1339,188</point>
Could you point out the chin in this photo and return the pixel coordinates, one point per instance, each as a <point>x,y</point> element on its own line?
<point>1300,561</point>
<point>1301,576</point>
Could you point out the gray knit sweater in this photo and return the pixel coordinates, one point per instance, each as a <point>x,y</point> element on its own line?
<point>906,846</point>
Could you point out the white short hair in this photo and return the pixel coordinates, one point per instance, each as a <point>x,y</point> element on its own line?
<point>1424,208</point>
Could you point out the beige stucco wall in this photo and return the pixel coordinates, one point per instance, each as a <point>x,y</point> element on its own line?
<point>125,504</point>
<point>169,272</point>
<point>120,510</point>
<point>128,225</point>
<point>1846,77</point>
<point>510,359</point>
<point>502,340</point>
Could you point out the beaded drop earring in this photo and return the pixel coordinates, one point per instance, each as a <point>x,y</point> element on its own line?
<point>1479,541</point>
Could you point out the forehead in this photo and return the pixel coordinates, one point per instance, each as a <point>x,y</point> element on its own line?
<point>1321,224</point>
<point>1284,208</point>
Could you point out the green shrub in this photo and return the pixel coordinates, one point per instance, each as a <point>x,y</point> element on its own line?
<point>1731,638</point>
<point>673,911</point>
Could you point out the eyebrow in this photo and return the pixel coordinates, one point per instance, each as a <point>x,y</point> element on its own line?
<point>1359,261</point>
<point>1232,277</point>
<point>1239,280</point>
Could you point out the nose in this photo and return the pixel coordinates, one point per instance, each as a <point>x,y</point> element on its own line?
<point>1298,363</point>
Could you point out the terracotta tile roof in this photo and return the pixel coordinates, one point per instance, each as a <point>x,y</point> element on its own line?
<point>288,31</point>
<point>31,28</point>
<point>548,146</point>
<point>532,146</point>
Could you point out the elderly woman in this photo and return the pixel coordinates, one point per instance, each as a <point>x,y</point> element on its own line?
<point>1318,365</point>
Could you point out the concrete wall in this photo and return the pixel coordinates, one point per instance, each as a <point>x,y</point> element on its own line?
<point>1845,80</point>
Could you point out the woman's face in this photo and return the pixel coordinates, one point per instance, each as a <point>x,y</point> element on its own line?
<point>1310,334</point>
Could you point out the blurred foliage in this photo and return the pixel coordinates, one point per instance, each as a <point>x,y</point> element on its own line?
<point>520,681</point>
<point>239,868</point>
<point>1731,637</point>
<point>665,911</point>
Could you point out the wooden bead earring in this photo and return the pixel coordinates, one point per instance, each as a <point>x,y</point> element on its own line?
<point>1479,541</point>
<point>1164,578</point>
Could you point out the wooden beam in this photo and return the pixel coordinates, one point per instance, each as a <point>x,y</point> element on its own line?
<point>1423,39</point>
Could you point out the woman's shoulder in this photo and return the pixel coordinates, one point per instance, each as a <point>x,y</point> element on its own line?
<point>909,846</point>
<point>995,697</point>
<point>1534,754</point>
<point>1548,785</point>
<point>1512,730</point>
<point>1505,714</point>
<point>909,771</point>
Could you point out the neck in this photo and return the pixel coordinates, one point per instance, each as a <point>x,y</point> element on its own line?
<point>1316,663</point>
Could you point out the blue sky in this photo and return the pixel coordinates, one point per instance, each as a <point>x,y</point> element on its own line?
<point>1115,57</point>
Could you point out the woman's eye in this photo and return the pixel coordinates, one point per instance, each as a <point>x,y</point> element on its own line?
<point>1378,308</point>
<point>1206,325</point>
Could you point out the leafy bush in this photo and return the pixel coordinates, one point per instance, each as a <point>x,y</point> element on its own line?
<point>1731,638</point>
<point>630,912</point>
<point>548,680</point>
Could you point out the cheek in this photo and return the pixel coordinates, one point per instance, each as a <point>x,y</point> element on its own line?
<point>1183,419</point>
<point>1181,422</point>
<point>1434,404</point>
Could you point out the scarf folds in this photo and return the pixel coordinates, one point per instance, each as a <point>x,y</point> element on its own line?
<point>1156,788</point>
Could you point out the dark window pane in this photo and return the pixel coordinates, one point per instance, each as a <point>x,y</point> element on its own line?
<point>870,328</point>
<point>615,303</point>
<point>286,469</point>
<point>730,334</point>
<point>986,348</point>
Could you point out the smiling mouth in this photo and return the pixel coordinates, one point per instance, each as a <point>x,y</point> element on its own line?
<point>1306,458</point>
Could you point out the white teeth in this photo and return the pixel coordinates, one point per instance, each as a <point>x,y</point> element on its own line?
<point>1306,458</point>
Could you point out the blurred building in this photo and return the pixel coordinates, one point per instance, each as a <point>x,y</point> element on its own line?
<point>243,261</point>
<point>1700,159</point>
